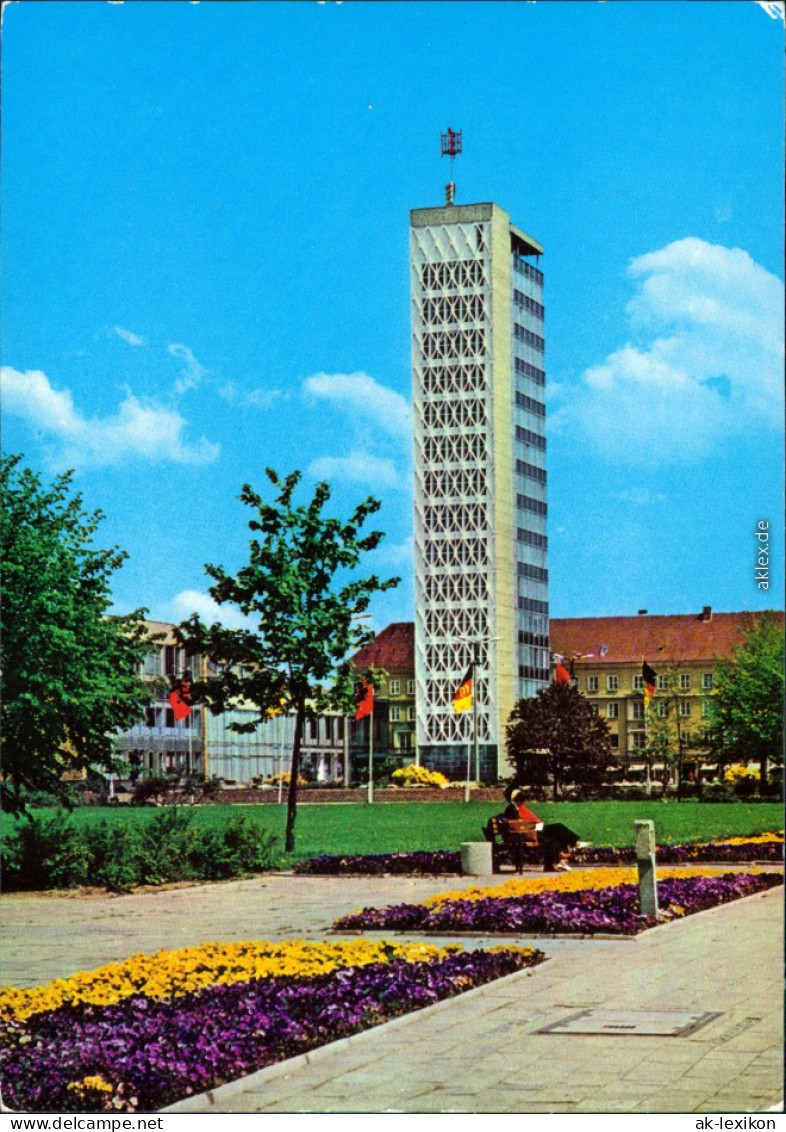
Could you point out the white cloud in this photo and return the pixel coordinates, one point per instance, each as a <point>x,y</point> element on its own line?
<point>357,467</point>
<point>707,363</point>
<point>253,398</point>
<point>363,397</point>
<point>209,611</point>
<point>135,431</point>
<point>773,8</point>
<point>192,372</point>
<point>129,336</point>
<point>396,555</point>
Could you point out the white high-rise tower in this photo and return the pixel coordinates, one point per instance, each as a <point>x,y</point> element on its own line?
<point>481,578</point>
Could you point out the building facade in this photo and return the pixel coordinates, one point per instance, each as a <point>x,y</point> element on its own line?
<point>392,653</point>
<point>159,744</point>
<point>481,575</point>
<point>204,744</point>
<point>606,655</point>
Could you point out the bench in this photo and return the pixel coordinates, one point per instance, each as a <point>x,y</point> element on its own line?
<point>515,837</point>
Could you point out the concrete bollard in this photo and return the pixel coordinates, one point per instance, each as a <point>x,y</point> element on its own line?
<point>645,863</point>
<point>477,859</point>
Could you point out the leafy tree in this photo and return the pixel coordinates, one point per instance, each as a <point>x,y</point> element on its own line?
<point>746,711</point>
<point>297,657</point>
<point>70,669</point>
<point>666,739</point>
<point>561,727</point>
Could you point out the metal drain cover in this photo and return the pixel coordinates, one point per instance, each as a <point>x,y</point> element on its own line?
<point>632,1023</point>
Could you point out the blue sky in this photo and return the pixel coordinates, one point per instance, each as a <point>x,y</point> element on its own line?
<point>205,248</point>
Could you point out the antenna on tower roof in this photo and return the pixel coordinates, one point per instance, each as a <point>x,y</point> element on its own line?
<point>451,147</point>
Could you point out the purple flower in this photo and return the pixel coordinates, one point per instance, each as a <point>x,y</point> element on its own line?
<point>161,1050</point>
<point>612,910</point>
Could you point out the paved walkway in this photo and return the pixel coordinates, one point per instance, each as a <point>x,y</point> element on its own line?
<point>482,1052</point>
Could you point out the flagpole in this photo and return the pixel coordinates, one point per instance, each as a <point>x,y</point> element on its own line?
<point>475,712</point>
<point>469,766</point>
<point>371,755</point>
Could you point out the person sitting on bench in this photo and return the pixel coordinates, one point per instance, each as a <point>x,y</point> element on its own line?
<point>555,838</point>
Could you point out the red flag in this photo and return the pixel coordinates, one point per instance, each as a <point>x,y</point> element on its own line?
<point>561,674</point>
<point>366,705</point>
<point>180,699</point>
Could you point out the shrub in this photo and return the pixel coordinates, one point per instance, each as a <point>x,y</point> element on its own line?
<point>414,775</point>
<point>238,847</point>
<point>51,852</point>
<point>166,844</point>
<point>45,852</point>
<point>115,852</point>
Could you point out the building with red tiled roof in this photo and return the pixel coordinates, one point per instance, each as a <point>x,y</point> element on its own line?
<point>392,651</point>
<point>607,653</point>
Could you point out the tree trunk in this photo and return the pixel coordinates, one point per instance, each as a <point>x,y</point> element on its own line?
<point>763,775</point>
<point>289,840</point>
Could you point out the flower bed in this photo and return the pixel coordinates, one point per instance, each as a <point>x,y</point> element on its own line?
<point>737,850</point>
<point>440,863</point>
<point>96,1043</point>
<point>578,880</point>
<point>610,910</point>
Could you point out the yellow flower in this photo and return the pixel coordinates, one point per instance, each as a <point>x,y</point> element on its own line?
<point>573,881</point>
<point>755,839</point>
<point>174,973</point>
<point>95,1083</point>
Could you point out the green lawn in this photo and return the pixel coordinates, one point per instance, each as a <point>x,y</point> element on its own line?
<point>406,826</point>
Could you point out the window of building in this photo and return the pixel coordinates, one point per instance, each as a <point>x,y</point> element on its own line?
<point>592,683</point>
<point>612,683</point>
<point>313,728</point>
<point>614,740</point>
<point>638,710</point>
<point>612,711</point>
<point>394,687</point>
<point>663,710</point>
<point>395,714</point>
<point>410,687</point>
<point>638,739</point>
<point>340,728</point>
<point>705,709</point>
<point>685,681</point>
<point>662,683</point>
<point>530,404</point>
<point>533,439</point>
<point>706,681</point>
<point>638,683</point>
<point>684,708</point>
<point>404,740</point>
<point>526,369</point>
<point>411,713</point>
